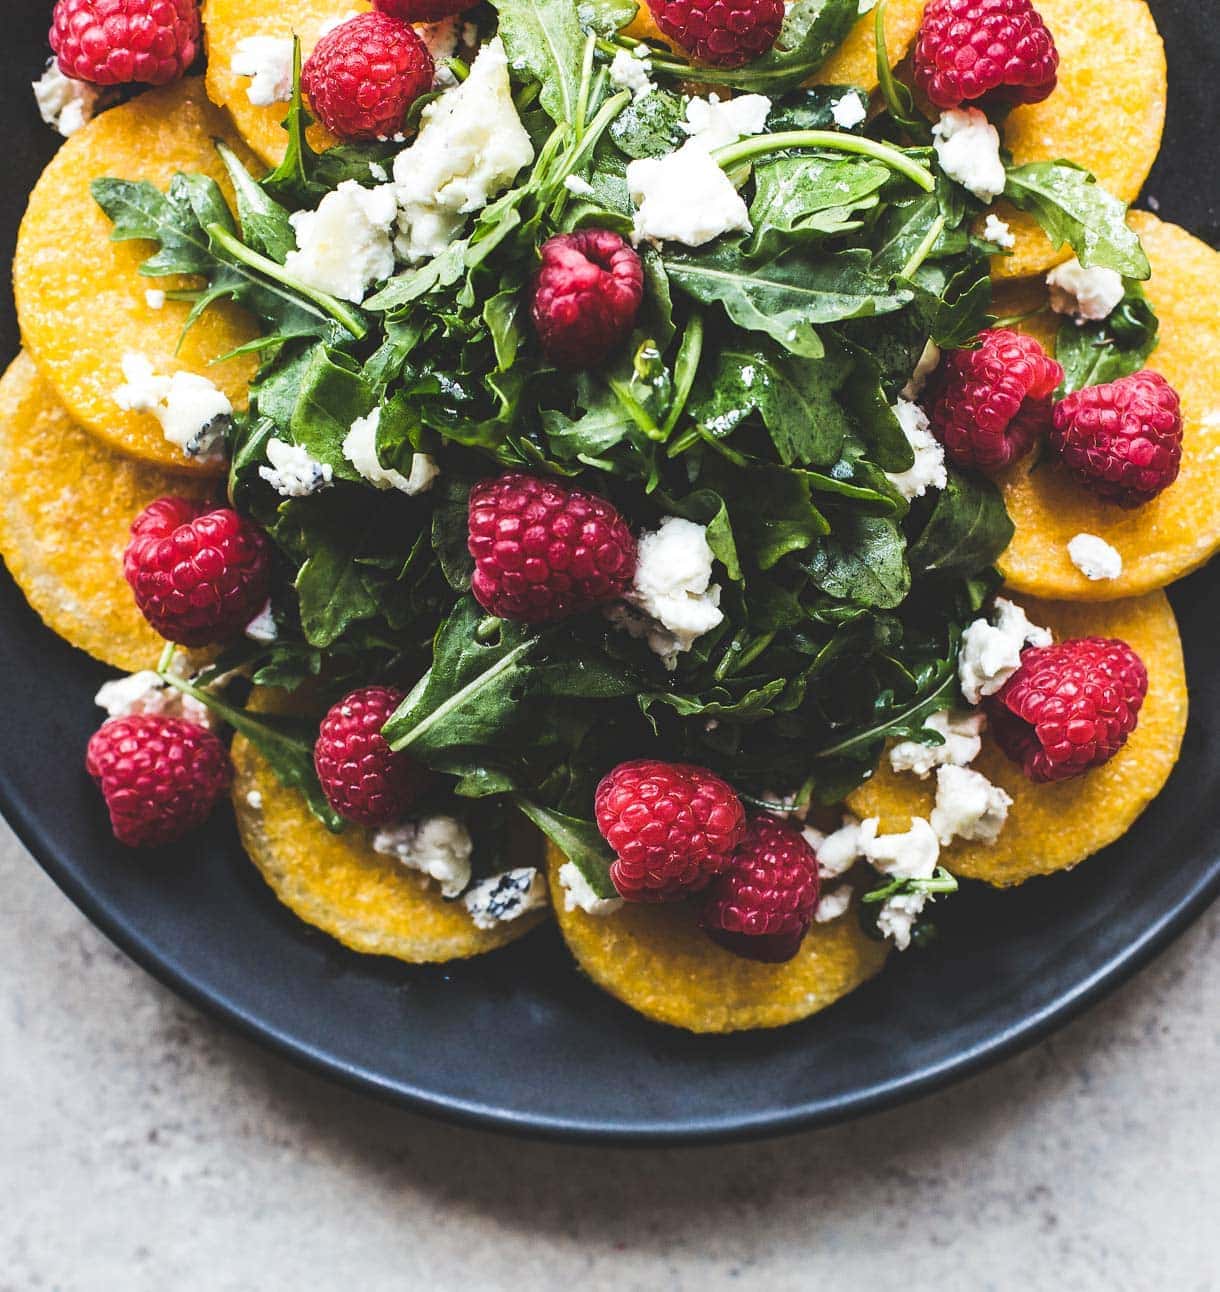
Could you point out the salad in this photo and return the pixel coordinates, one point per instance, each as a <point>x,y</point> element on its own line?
<point>690,435</point>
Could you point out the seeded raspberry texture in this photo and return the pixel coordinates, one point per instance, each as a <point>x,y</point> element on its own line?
<point>672,826</point>
<point>1069,707</point>
<point>160,776</point>
<point>543,550</point>
<point>989,406</point>
<point>116,42</point>
<point>1123,440</point>
<point>761,906</point>
<point>422,10</point>
<point>587,294</point>
<point>363,76</point>
<point>363,779</point>
<point>999,50</point>
<point>725,33</point>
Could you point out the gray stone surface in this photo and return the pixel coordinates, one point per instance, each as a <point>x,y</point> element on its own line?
<point>143,1147</point>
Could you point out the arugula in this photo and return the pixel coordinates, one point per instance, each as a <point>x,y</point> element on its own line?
<point>968,529</point>
<point>579,841</point>
<point>1098,352</point>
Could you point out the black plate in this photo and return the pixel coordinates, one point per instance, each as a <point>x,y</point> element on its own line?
<point>519,1040</point>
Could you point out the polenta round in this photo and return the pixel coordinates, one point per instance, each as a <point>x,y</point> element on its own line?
<point>336,882</point>
<point>1107,112</point>
<point>80,300</point>
<point>1054,827</point>
<point>1179,530</point>
<point>659,962</point>
<point>68,507</point>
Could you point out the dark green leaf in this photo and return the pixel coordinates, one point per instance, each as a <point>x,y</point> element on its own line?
<point>1095,353</point>
<point>863,561</point>
<point>967,530</point>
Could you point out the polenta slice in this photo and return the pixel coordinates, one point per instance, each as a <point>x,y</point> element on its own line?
<point>227,23</point>
<point>68,504</point>
<point>1054,827</point>
<point>1179,530</point>
<point>80,300</point>
<point>337,883</point>
<point>659,962</point>
<point>1107,112</point>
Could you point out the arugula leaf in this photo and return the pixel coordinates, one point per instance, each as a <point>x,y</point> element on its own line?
<point>579,841</point>
<point>543,39</point>
<point>862,561</point>
<point>264,222</point>
<point>968,529</point>
<point>1095,353</point>
<point>798,200</point>
<point>451,530</point>
<point>1072,207</point>
<point>140,210</point>
<point>784,519</point>
<point>332,394</point>
<point>649,127</point>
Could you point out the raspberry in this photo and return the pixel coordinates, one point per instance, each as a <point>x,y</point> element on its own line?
<point>1123,440</point>
<point>422,10</point>
<point>762,905</point>
<point>672,827</point>
<point>1069,707</point>
<point>989,406</point>
<point>725,33</point>
<point>543,550</point>
<point>160,776</point>
<point>586,296</point>
<point>363,779</point>
<point>1000,50</point>
<point>115,42</point>
<point>364,74</point>
<point>199,574</point>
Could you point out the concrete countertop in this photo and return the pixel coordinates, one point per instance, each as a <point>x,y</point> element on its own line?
<point>144,1147</point>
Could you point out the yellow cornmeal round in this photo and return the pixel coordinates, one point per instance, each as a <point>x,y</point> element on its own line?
<point>1054,827</point>
<point>657,960</point>
<point>81,302</point>
<point>68,504</point>
<point>1179,530</point>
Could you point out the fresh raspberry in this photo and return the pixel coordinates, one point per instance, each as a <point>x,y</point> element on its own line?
<point>762,905</point>
<point>1123,440</point>
<point>160,776</point>
<point>999,50</point>
<point>1069,707</point>
<point>200,574</point>
<point>423,10</point>
<point>363,779</point>
<point>115,42</point>
<point>543,550</point>
<point>586,296</point>
<point>672,827</point>
<point>364,74</point>
<point>989,406</point>
<point>725,33</point>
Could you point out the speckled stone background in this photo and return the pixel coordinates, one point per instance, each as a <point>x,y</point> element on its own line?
<point>143,1148</point>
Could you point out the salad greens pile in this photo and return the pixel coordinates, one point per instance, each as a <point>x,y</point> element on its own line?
<point>756,397</point>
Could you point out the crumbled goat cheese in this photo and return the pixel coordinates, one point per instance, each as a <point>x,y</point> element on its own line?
<point>896,919</point>
<point>379,172</point>
<point>254,799</point>
<point>673,586</point>
<point>263,628</point>
<point>154,298</point>
<point>1095,558</point>
<point>505,897</point>
<point>713,122</point>
<point>962,734</point>
<point>293,472</point>
<point>839,851</point>
<point>146,693</point>
<point>267,61</point>
<point>911,855</point>
<point>631,73</point>
<point>438,846</point>
<point>442,40</point>
<point>928,470</point>
<point>345,245</point>
<point>849,111</point>
<point>66,104</point>
<point>968,806</point>
<point>192,412</point>
<point>578,186</point>
<point>469,148</point>
<point>991,654</point>
<point>1086,294</point>
<point>968,149</point>
<point>833,904</point>
<point>578,894</point>
<point>997,231</point>
<point>927,364</point>
<point>360,449</point>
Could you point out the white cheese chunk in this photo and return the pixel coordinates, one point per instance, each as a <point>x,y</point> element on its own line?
<point>145,692</point>
<point>627,72</point>
<point>294,472</point>
<point>991,653</point>
<point>968,149</point>
<point>839,851</point>
<point>66,104</point>
<point>360,449</point>
<point>896,919</point>
<point>997,231</point>
<point>193,413</point>
<point>1095,558</point>
<point>505,897</point>
<point>578,186</point>
<point>684,197</point>
<point>578,894</point>
<point>470,146</point>
<point>263,628</point>
<point>345,245</point>
<point>833,904</point>
<point>962,734</point>
<point>267,62</point>
<point>1088,295</point>
<point>154,298</point>
<point>928,470</point>
<point>850,111</point>
<point>438,846</point>
<point>910,855</point>
<point>442,39</point>
<point>968,806</point>
<point>713,122</point>
<point>926,365</point>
